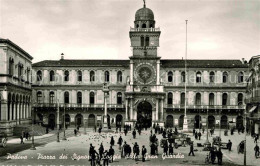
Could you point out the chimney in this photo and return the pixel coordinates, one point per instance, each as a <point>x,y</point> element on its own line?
<point>62,56</point>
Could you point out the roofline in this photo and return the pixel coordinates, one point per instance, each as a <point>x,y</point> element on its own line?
<point>16,46</point>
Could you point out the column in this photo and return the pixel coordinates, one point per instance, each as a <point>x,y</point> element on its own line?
<point>162,110</point>
<point>3,110</point>
<point>105,114</point>
<point>131,109</point>
<point>18,112</point>
<point>157,109</point>
<point>126,109</point>
<point>131,72</point>
<point>158,72</point>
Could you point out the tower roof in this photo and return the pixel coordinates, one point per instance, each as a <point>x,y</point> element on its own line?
<point>145,14</point>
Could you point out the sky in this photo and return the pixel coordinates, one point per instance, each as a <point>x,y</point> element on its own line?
<point>99,29</point>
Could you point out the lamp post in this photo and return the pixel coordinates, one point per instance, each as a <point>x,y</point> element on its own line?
<point>105,90</point>
<point>33,146</point>
<point>64,134</point>
<point>207,141</point>
<point>58,121</point>
<point>245,113</point>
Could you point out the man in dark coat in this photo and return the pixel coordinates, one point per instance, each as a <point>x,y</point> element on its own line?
<point>256,148</point>
<point>112,142</point>
<point>134,134</point>
<point>120,141</point>
<point>101,150</point>
<point>199,135</point>
<point>229,145</point>
<point>105,158</point>
<point>111,153</point>
<point>153,149</point>
<point>165,148</point>
<point>136,151</point>
<point>170,149</point>
<point>144,151</point>
<point>191,150</point>
<point>212,156</point>
<point>219,156</point>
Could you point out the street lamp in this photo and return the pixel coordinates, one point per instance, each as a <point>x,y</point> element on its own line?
<point>245,113</point>
<point>64,136</point>
<point>32,114</point>
<point>58,121</point>
<point>207,141</point>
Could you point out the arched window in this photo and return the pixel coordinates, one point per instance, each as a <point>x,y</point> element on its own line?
<point>39,97</point>
<point>198,77</point>
<point>170,74</point>
<point>144,26</point>
<point>142,41</point>
<point>119,76</point>
<point>137,25</point>
<point>119,98</point>
<point>211,77</point>
<point>170,97</point>
<point>106,76</point>
<point>11,66</point>
<point>151,25</point>
<point>240,77</point>
<point>147,41</point>
<point>225,77</point>
<point>183,79</point>
<point>51,97</point>
<point>240,99</point>
<point>198,99</point>
<point>224,99</point>
<point>66,75</point>
<point>211,99</point>
<point>66,98</point>
<point>92,98</point>
<point>79,98</point>
<point>92,76</point>
<point>182,98</point>
<point>52,75</point>
<point>79,76</point>
<point>39,75</point>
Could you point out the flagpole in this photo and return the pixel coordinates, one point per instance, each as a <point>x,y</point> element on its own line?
<point>185,123</point>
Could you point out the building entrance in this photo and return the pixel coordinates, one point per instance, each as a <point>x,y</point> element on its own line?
<point>144,114</point>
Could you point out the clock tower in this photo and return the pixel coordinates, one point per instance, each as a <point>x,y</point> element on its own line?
<point>144,93</point>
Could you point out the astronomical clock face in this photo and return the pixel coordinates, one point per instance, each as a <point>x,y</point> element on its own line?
<point>145,73</point>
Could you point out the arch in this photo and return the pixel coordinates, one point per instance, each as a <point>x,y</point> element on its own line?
<point>137,25</point>
<point>147,41</point>
<point>119,120</point>
<point>240,77</point>
<point>198,99</point>
<point>51,97</point>
<point>197,121</point>
<point>144,114</point>
<point>181,120</point>
<point>170,98</point>
<point>240,99</point>
<point>225,77</point>
<point>107,76</point>
<point>79,98</point>
<point>11,66</point>
<point>79,120</point>
<point>67,120</point>
<point>51,121</point>
<point>224,122</point>
<point>79,76</point>
<point>239,122</point>
<point>224,99</point>
<point>91,120</point>
<point>142,41</point>
<point>183,76</point>
<point>211,77</point>
<point>119,76</point>
<point>52,77</point>
<point>119,98</point>
<point>66,75</point>
<point>91,98</point>
<point>198,77</point>
<point>39,75</point>
<point>211,121</point>
<point>170,76</point>
<point>211,99</point>
<point>66,97</point>
<point>143,25</point>
<point>182,98</point>
<point>92,76</point>
<point>169,121</point>
<point>39,97</point>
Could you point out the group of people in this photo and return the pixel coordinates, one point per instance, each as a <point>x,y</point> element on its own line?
<point>26,135</point>
<point>213,154</point>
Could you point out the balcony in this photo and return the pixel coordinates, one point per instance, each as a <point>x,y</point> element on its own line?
<point>76,105</point>
<point>144,29</point>
<point>178,106</point>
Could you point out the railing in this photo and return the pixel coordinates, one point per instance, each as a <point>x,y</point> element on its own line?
<point>144,29</point>
<point>76,105</point>
<point>178,106</point>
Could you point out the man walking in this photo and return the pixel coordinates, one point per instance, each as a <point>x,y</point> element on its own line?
<point>256,151</point>
<point>120,141</point>
<point>191,150</point>
<point>199,135</point>
<point>144,151</point>
<point>134,134</point>
<point>229,145</point>
<point>111,153</point>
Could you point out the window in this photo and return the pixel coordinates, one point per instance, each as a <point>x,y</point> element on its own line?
<point>224,99</point>
<point>147,41</point>
<point>106,76</point>
<point>20,70</point>
<point>137,25</point>
<point>170,98</point>
<point>11,66</point>
<point>79,76</point>
<point>198,99</point>
<point>211,99</point>
<point>142,41</point>
<point>66,75</point>
<point>240,77</point>
<point>198,77</point>
<point>225,77</point>
<point>119,98</point>
<point>28,74</point>
<point>211,77</point>
<point>79,98</point>
<point>39,75</point>
<point>183,79</point>
<point>182,98</point>
<point>51,97</point>
<point>144,26</point>
<point>170,74</point>
<point>119,76</point>
<point>52,75</point>
<point>240,99</point>
<point>92,98</point>
<point>151,25</point>
<point>92,76</point>
<point>66,98</point>
<point>39,97</point>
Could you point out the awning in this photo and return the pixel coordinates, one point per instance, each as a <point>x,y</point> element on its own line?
<point>252,109</point>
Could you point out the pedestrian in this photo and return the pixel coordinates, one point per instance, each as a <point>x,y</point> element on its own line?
<point>21,137</point>
<point>139,130</point>
<point>75,132</point>
<point>105,158</point>
<point>125,131</point>
<point>255,140</point>
<point>229,145</point>
<point>165,148</point>
<point>93,154</point>
<point>47,130</point>
<point>134,134</point>
<point>99,130</point>
<point>153,149</point>
<point>191,150</point>
<point>111,153</point>
<point>199,135</point>
<point>203,130</point>
<point>170,149</point>
<point>196,135</point>
<point>95,128</point>
<point>120,141</point>
<point>112,141</point>
<point>27,135</point>
<point>136,151</point>
<point>212,155</point>
<point>256,149</point>
<point>124,150</point>
<point>144,151</point>
<point>219,156</point>
<point>101,150</point>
